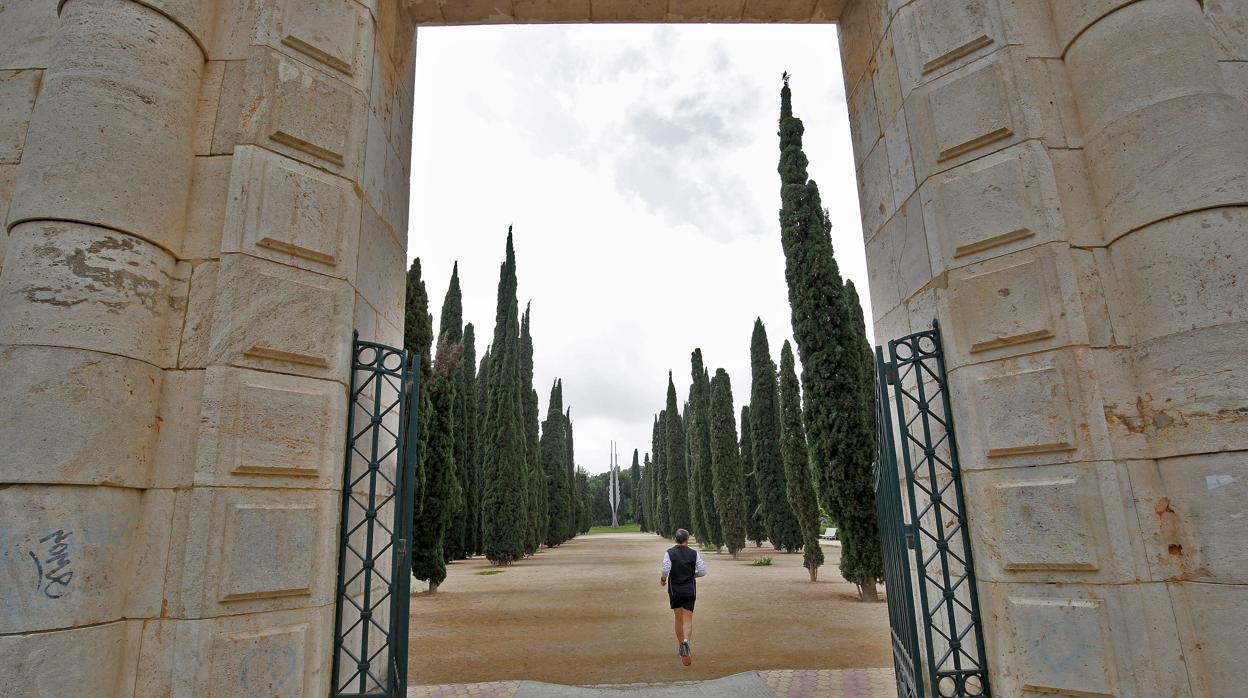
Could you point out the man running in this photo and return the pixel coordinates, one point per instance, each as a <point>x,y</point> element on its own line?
<point>683,565</point>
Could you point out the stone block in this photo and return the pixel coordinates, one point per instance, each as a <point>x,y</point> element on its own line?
<point>899,257</point>
<point>1024,302</point>
<point>250,550</point>
<point>210,87</point>
<point>284,105</point>
<point>933,37</point>
<point>861,28</point>
<point>150,554</point>
<point>1001,203</point>
<point>1035,409</point>
<point>1081,215</point>
<point>282,210</point>
<point>385,180</point>
<point>1211,619</point>
<point>777,11</point>
<point>1228,23</point>
<point>900,162</point>
<point>1058,523</point>
<point>888,99</point>
<point>181,395</point>
<point>18,89</point>
<point>8,177</point>
<point>334,35</point>
<point>85,287</point>
<point>1072,17</point>
<point>875,191</point>
<point>74,416</point>
<point>198,325</point>
<point>1235,77</point>
<point>273,317</point>
<point>380,271</point>
<point>65,555</point>
<point>864,120</point>
<point>27,33</point>
<point>1182,274</point>
<point>478,12</point>
<point>270,430</point>
<point>115,100</point>
<point>627,10</point>
<point>279,653</point>
<point>206,209</point>
<point>703,10</point>
<point>551,11</point>
<point>65,662</point>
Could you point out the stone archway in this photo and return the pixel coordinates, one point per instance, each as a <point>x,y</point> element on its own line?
<point>1061,183</point>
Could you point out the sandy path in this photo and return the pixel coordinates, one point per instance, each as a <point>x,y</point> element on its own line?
<point>592,612</point>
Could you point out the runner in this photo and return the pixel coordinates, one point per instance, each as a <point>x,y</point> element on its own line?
<point>683,565</point>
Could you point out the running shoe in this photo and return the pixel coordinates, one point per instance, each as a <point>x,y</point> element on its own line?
<point>686,653</point>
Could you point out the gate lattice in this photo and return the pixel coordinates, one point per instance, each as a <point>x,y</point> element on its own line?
<point>374,558</point>
<point>934,525</point>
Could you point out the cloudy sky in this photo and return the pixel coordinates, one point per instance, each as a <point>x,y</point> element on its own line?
<point>638,166</point>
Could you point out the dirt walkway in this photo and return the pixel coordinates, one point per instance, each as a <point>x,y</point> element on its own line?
<point>592,612</point>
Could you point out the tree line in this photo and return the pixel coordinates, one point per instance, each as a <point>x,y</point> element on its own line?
<point>492,479</point>
<point>791,455</point>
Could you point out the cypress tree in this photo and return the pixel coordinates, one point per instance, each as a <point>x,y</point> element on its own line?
<point>450,330</point>
<point>674,465</point>
<point>570,474</point>
<point>470,470</point>
<point>860,546</point>
<point>535,533</point>
<point>441,481</point>
<point>800,488</point>
<point>483,401</point>
<point>783,529</point>
<point>660,499</point>
<point>700,449</point>
<point>554,455</point>
<point>634,474</point>
<point>831,359</point>
<point>505,504</point>
<point>417,322</point>
<point>583,502</point>
<point>647,500</point>
<point>696,518</point>
<point>754,528</point>
<point>726,461</point>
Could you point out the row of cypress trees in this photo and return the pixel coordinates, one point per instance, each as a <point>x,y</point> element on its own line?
<point>496,482</point>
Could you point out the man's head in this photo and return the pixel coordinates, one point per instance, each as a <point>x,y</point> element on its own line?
<point>682,536</point>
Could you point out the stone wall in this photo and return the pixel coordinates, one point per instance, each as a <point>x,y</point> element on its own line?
<point>1063,186</point>
<point>203,199</point>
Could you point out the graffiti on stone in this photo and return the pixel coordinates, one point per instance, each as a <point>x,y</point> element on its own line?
<point>53,566</point>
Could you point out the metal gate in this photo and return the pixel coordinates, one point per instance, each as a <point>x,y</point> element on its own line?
<point>916,424</point>
<point>374,558</point>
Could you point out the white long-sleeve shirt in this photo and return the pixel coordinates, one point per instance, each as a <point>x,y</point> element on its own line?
<point>699,566</point>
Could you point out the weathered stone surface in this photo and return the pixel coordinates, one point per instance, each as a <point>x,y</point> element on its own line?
<point>270,430</point>
<point>194,16</point>
<point>18,89</point>
<point>115,99</point>
<point>552,10</point>
<point>705,10</point>
<point>474,12</point>
<point>932,37</point>
<point>1228,24</point>
<point>385,179</point>
<point>900,247</point>
<point>628,10</point>
<point>288,212</point>
<point>76,416</point>
<point>80,286</point>
<point>27,33</point>
<point>226,542</point>
<point>1072,17</point>
<point>280,103</point>
<point>864,120</point>
<point>181,394</point>
<point>206,209</point>
<point>1212,618</point>
<point>273,317</point>
<point>63,662</point>
<point>210,87</point>
<point>381,267</point>
<point>875,191</point>
<point>65,555</point>
<point>198,325</point>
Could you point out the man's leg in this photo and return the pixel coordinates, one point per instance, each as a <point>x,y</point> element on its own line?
<point>688,625</point>
<point>680,624</point>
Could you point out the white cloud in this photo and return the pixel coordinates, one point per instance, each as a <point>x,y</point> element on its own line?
<point>638,164</point>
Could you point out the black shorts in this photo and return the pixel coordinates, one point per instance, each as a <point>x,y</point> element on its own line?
<point>685,602</point>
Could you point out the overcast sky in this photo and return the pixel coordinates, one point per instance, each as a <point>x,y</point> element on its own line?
<point>638,166</point>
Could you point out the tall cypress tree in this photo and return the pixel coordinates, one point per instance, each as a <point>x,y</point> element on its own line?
<point>483,402</point>
<point>450,330</point>
<point>505,505</point>
<point>800,488</point>
<point>470,468</point>
<point>700,449</point>
<point>583,502</point>
<point>647,495</point>
<point>536,531</point>
<point>860,547</point>
<point>754,528</point>
<point>570,524</point>
<point>831,359</point>
<point>696,518</point>
<point>725,458</point>
<point>441,481</point>
<point>781,524</point>
<point>661,494</point>
<point>554,457</point>
<point>674,464</point>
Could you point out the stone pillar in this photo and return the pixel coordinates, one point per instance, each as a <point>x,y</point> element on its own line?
<point>1061,185</point>
<point>211,196</point>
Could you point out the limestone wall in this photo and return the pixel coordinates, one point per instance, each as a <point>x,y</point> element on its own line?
<point>203,200</point>
<point>1063,186</point>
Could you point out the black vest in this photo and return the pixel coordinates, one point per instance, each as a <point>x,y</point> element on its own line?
<point>681,581</point>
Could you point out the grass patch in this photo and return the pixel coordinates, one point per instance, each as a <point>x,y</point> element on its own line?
<point>486,573</point>
<point>624,528</point>
<point>762,562</point>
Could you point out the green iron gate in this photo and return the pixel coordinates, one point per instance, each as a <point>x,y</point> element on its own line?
<point>916,424</point>
<point>374,558</point>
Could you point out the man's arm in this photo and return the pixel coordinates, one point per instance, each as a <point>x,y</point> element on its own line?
<point>700,567</point>
<point>666,569</point>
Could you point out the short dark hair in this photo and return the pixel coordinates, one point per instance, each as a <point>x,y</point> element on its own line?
<point>682,536</point>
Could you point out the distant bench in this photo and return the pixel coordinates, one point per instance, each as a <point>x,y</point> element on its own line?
<point>829,534</point>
